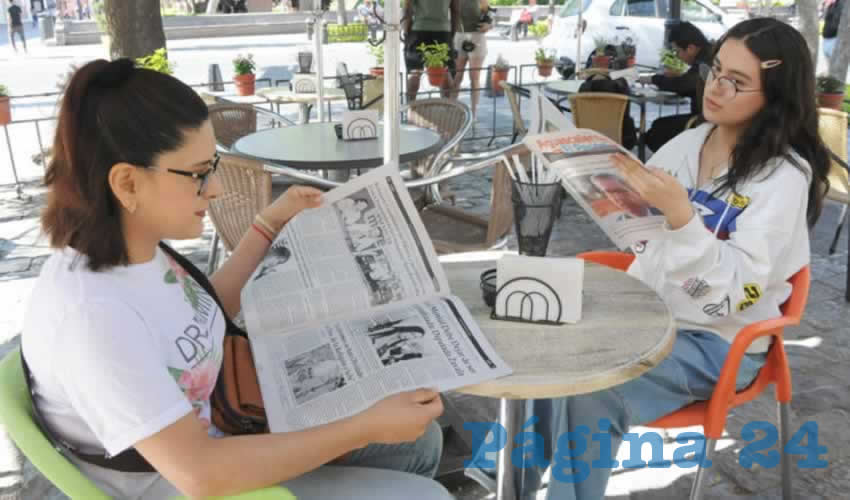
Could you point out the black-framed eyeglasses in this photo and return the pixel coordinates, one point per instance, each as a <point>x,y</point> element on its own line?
<point>204,176</point>
<point>728,86</point>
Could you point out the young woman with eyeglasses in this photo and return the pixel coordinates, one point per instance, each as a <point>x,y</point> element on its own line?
<point>739,193</point>
<point>125,347</point>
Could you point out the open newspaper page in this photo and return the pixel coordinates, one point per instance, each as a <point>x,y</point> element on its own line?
<point>316,375</point>
<point>363,248</point>
<point>580,157</point>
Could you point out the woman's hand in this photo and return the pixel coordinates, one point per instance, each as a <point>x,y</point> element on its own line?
<point>401,418</point>
<point>658,188</point>
<point>290,203</point>
<point>484,27</point>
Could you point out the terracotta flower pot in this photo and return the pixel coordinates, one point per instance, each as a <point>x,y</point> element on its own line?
<point>436,76</point>
<point>601,61</point>
<point>499,75</point>
<point>245,84</point>
<point>631,61</point>
<point>5,110</point>
<point>545,69</point>
<point>833,101</point>
<point>376,71</point>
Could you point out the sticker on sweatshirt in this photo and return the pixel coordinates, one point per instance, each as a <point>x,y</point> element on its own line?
<point>695,287</point>
<point>639,247</point>
<point>752,292</point>
<point>738,201</point>
<point>718,215</point>
<point>719,310</point>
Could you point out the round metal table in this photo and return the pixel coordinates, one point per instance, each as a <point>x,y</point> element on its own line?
<point>625,330</point>
<point>315,146</point>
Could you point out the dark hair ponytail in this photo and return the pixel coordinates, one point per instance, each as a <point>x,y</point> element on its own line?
<point>789,120</point>
<point>111,112</point>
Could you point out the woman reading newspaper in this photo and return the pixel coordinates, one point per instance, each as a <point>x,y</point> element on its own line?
<point>739,193</point>
<point>125,347</point>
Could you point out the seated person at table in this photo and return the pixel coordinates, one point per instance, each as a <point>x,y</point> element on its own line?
<point>692,47</point>
<point>739,194</point>
<point>125,346</point>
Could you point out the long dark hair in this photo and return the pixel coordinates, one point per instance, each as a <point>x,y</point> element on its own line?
<point>789,120</point>
<point>111,112</point>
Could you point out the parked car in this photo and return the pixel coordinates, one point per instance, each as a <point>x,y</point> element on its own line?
<point>640,20</point>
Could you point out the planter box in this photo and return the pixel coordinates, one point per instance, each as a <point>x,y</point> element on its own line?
<point>353,32</point>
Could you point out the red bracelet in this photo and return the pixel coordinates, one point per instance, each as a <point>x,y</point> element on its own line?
<point>262,233</point>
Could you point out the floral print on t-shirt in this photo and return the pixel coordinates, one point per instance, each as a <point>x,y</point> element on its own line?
<point>196,346</point>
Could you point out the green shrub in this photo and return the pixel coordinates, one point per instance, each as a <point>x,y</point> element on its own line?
<point>158,61</point>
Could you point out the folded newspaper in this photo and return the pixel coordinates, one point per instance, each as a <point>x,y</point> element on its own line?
<point>351,305</point>
<point>581,159</point>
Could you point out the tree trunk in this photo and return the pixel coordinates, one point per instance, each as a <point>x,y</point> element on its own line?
<point>134,28</point>
<point>840,60</point>
<point>340,12</point>
<point>809,25</point>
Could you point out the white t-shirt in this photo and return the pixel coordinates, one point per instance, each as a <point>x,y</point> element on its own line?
<point>119,355</point>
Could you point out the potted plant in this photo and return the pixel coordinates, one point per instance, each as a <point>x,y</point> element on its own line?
<point>157,61</point>
<point>830,92</point>
<point>243,69</point>
<point>377,52</point>
<point>600,58</point>
<point>545,61</point>
<point>5,107</point>
<point>436,56</point>
<point>499,74</point>
<point>673,66</point>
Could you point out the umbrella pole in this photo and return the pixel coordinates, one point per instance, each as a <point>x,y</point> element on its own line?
<point>392,54</point>
<point>318,33</point>
<point>580,32</point>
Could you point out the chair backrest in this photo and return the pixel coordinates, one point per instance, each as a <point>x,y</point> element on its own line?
<point>449,118</point>
<point>600,111</point>
<point>832,125</point>
<point>231,122</point>
<point>513,92</point>
<point>351,85</point>
<point>247,190</point>
<point>16,417</point>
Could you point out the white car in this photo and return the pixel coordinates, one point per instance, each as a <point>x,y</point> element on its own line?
<point>640,20</point>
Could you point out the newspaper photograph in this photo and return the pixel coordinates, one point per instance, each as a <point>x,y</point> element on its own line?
<point>580,157</point>
<point>317,375</point>
<point>364,247</point>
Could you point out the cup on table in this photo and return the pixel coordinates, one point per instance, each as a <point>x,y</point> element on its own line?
<point>536,206</point>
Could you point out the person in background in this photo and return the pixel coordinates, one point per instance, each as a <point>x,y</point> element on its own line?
<point>831,18</point>
<point>428,22</point>
<point>525,18</point>
<point>471,44</point>
<point>367,11</point>
<point>16,26</point>
<point>693,48</point>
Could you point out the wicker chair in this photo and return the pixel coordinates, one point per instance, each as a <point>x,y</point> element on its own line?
<point>833,131</point>
<point>231,122</point>
<point>247,190</point>
<point>513,93</point>
<point>451,119</point>
<point>600,111</point>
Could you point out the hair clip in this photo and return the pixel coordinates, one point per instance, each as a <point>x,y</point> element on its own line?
<point>770,63</point>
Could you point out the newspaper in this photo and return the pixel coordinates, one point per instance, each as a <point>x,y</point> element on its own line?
<point>351,305</point>
<point>581,160</point>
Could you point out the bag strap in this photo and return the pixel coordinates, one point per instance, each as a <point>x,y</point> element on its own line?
<point>129,460</point>
<point>204,282</point>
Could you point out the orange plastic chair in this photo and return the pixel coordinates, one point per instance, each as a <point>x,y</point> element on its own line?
<point>711,414</point>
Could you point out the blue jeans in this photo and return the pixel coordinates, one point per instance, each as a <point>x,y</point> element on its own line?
<point>687,375</point>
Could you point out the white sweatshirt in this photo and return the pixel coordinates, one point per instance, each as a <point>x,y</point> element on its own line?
<point>729,265</point>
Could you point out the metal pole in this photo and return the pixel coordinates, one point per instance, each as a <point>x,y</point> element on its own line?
<point>580,31</point>
<point>674,17</point>
<point>18,189</point>
<point>392,54</point>
<point>320,67</point>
